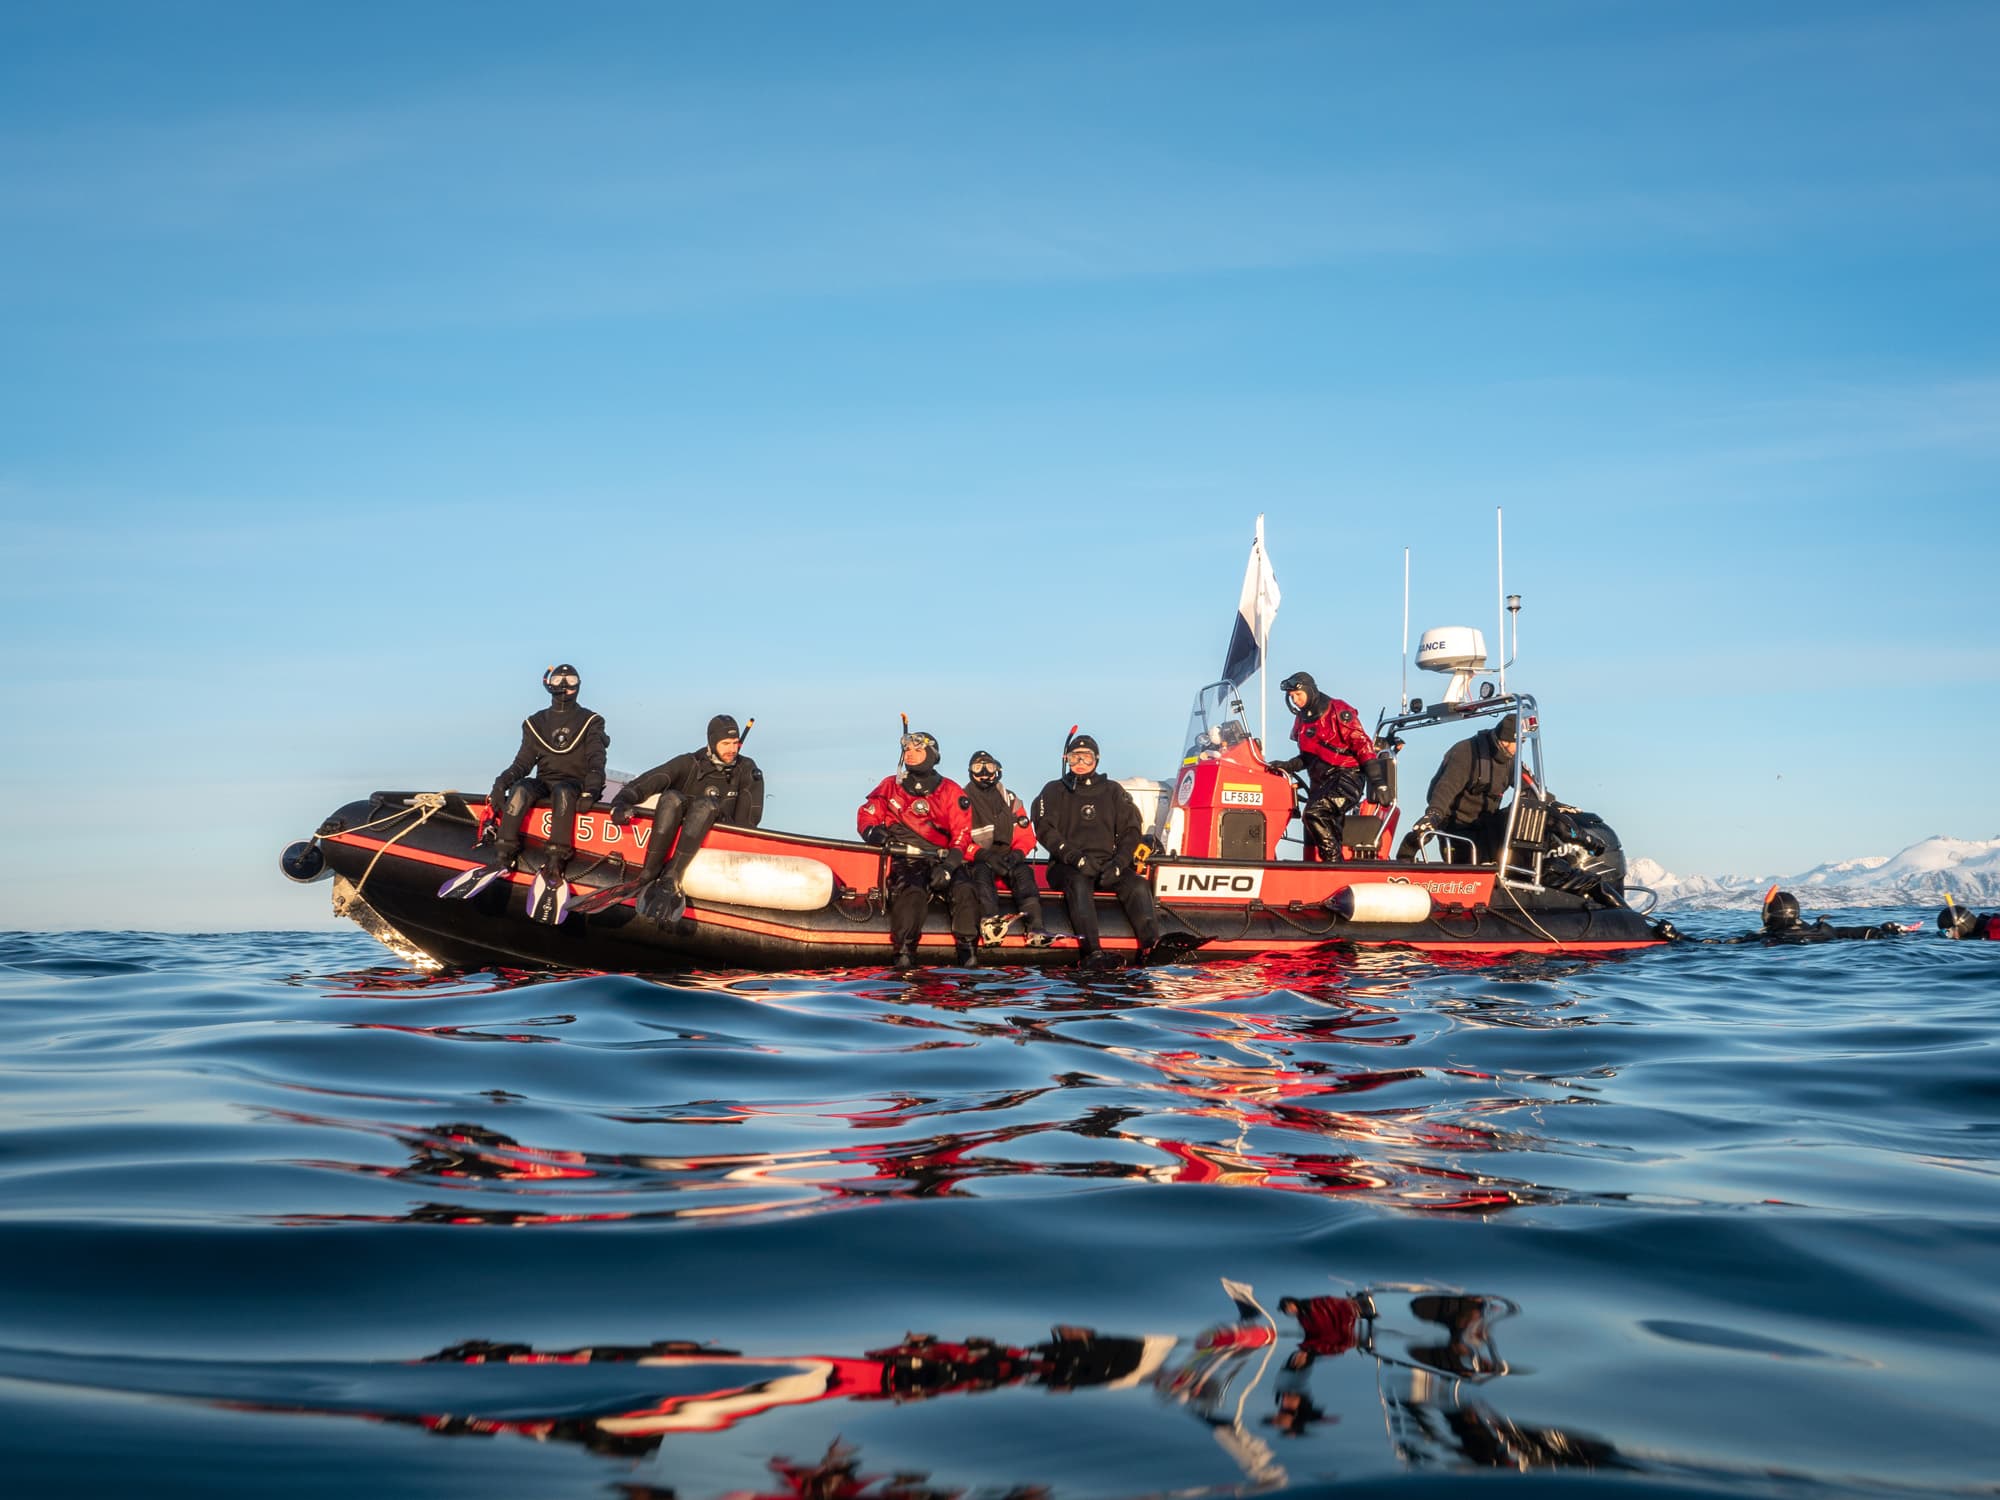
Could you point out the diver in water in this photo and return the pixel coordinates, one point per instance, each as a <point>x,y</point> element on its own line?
<point>923,820</point>
<point>1005,840</point>
<point>1465,796</point>
<point>560,762</point>
<point>715,784</point>
<point>1783,926</point>
<point>1332,748</point>
<point>1092,830</point>
<point>1961,923</point>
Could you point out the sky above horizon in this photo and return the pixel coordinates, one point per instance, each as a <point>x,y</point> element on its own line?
<point>826,363</point>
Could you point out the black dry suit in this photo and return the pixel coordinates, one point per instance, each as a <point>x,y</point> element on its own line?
<point>563,746</point>
<point>999,809</point>
<point>1091,828</point>
<point>1782,926</point>
<point>697,791</point>
<point>1821,931</point>
<point>1465,796</point>
<point>1473,779</point>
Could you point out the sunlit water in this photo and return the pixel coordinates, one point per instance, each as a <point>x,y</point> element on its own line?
<point>278,1217</point>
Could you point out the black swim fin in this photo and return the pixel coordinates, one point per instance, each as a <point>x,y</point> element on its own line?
<point>1173,948</point>
<point>661,901</point>
<point>604,898</point>
<point>468,883</point>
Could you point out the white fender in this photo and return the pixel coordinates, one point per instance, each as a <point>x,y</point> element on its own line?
<point>1381,903</point>
<point>779,882</point>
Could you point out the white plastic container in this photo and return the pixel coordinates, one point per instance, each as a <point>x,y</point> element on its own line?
<point>1381,903</point>
<point>777,882</point>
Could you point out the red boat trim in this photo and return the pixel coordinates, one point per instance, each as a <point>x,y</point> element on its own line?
<point>815,937</point>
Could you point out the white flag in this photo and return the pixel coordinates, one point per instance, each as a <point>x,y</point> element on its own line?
<point>1255,610</point>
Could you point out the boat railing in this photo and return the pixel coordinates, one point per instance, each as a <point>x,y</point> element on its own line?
<point>1518,863</point>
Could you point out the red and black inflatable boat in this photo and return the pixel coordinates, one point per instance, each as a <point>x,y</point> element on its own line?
<point>771,900</point>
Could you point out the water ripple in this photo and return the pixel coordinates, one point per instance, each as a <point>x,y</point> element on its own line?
<point>1703,1218</point>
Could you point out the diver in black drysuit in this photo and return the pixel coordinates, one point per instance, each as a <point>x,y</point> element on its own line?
<point>1004,856</point>
<point>1092,830</point>
<point>564,746</point>
<point>716,784</point>
<point>1472,781</point>
<point>1782,926</point>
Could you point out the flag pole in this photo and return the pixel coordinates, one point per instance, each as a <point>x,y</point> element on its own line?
<point>1263,649</point>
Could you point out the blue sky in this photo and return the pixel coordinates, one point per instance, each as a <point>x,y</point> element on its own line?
<point>821,363</point>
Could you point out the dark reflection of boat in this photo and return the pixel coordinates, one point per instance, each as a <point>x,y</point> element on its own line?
<point>1435,1352</point>
<point>1263,1383</point>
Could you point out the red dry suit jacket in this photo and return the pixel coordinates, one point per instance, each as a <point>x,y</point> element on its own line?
<point>942,817</point>
<point>1335,736</point>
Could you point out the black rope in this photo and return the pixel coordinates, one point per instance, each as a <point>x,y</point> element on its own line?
<point>1332,924</point>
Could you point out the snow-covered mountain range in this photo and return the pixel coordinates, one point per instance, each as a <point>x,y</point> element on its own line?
<point>1968,868</point>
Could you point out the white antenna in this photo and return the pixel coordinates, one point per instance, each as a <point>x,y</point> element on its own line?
<point>1500,579</point>
<point>1406,630</point>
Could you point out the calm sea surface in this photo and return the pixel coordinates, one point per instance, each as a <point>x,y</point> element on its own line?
<point>278,1217</point>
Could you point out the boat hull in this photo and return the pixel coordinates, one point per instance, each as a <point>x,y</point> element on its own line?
<point>389,857</point>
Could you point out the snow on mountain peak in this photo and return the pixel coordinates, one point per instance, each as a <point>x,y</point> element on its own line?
<point>1968,868</point>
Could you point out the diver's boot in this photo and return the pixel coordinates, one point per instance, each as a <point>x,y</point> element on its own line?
<point>905,957</point>
<point>966,956</point>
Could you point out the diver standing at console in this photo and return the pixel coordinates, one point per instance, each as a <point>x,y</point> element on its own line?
<point>1332,746</point>
<point>924,822</point>
<point>563,746</point>
<point>1003,854</point>
<point>1091,828</point>
<point>716,784</point>
<point>1465,796</point>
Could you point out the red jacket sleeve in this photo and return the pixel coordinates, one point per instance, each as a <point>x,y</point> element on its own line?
<point>1351,734</point>
<point>1023,831</point>
<point>951,810</point>
<point>875,807</point>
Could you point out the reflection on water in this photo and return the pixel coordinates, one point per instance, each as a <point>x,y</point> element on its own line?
<point>1703,1217</point>
<point>1277,1096</point>
<point>1429,1349</point>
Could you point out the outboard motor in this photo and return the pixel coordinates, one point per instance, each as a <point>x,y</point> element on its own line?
<point>1585,856</point>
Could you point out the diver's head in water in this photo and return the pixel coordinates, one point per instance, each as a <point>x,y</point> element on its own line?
<point>562,682</point>
<point>1958,921</point>
<point>1781,910</point>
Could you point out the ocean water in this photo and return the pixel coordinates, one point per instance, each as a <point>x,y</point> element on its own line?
<point>278,1216</point>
